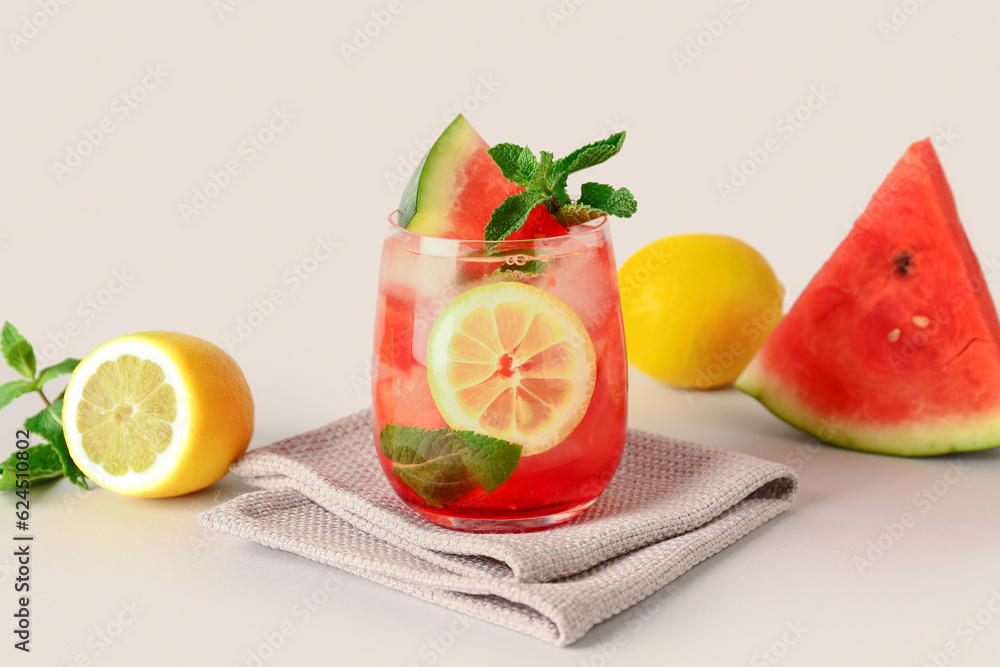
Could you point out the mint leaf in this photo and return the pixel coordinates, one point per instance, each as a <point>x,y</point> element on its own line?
<point>559,195</point>
<point>526,164</point>
<point>542,178</point>
<point>442,465</point>
<point>574,214</point>
<point>513,164</point>
<point>618,202</point>
<point>48,424</point>
<point>43,464</point>
<point>11,390</point>
<point>52,372</point>
<point>510,215</point>
<point>17,351</point>
<point>545,182</point>
<point>591,154</point>
<point>517,164</point>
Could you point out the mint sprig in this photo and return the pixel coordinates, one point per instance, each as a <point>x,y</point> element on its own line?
<point>443,465</point>
<point>545,182</point>
<point>43,464</point>
<point>20,356</point>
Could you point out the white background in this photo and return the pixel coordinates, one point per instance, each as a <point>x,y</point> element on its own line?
<point>559,75</point>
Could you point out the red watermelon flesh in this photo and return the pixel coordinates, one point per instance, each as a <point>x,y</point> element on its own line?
<point>893,345</point>
<point>455,189</point>
<point>484,189</point>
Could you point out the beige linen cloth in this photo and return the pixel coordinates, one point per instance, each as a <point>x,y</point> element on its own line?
<point>671,505</point>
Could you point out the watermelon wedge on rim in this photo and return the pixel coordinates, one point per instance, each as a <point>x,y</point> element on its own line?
<point>456,187</point>
<point>893,346</point>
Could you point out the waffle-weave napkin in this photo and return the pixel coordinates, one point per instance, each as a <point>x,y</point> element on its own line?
<point>671,505</point>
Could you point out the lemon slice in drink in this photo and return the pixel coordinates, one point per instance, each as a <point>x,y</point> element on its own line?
<point>513,362</point>
<point>157,414</point>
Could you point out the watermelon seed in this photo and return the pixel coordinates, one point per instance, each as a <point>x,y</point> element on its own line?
<point>894,335</point>
<point>902,262</point>
<point>921,321</point>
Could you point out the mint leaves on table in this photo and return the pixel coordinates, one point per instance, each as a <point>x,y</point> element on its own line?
<point>545,179</point>
<point>46,461</point>
<point>442,465</point>
<point>43,464</point>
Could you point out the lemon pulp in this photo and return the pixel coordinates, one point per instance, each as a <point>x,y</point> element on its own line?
<point>125,415</point>
<point>513,362</point>
<point>157,414</point>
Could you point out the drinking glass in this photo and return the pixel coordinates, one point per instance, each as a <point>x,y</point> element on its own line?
<point>499,376</point>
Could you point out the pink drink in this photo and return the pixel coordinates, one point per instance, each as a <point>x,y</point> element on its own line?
<point>420,278</point>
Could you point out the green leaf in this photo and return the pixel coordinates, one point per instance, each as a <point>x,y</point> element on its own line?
<point>52,372</point>
<point>48,424</point>
<point>442,465</point>
<point>618,202</point>
<point>508,217</point>
<point>17,351</point>
<point>591,154</point>
<point>517,164</point>
<point>527,163</point>
<point>542,179</point>
<point>559,195</point>
<point>577,214</point>
<point>11,390</point>
<point>43,464</point>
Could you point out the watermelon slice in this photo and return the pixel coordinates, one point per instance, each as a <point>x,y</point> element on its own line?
<point>455,188</point>
<point>893,345</point>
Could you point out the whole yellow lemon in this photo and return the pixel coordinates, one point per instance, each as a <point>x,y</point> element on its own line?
<point>697,307</point>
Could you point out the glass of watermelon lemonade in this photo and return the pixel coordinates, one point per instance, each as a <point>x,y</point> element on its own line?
<point>499,376</point>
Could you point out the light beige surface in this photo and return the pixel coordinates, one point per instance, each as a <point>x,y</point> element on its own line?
<point>106,250</point>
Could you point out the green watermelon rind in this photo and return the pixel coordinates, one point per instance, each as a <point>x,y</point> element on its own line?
<point>968,432</point>
<point>431,190</point>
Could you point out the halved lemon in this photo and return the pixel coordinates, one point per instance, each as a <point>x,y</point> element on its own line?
<point>513,362</point>
<point>157,414</point>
